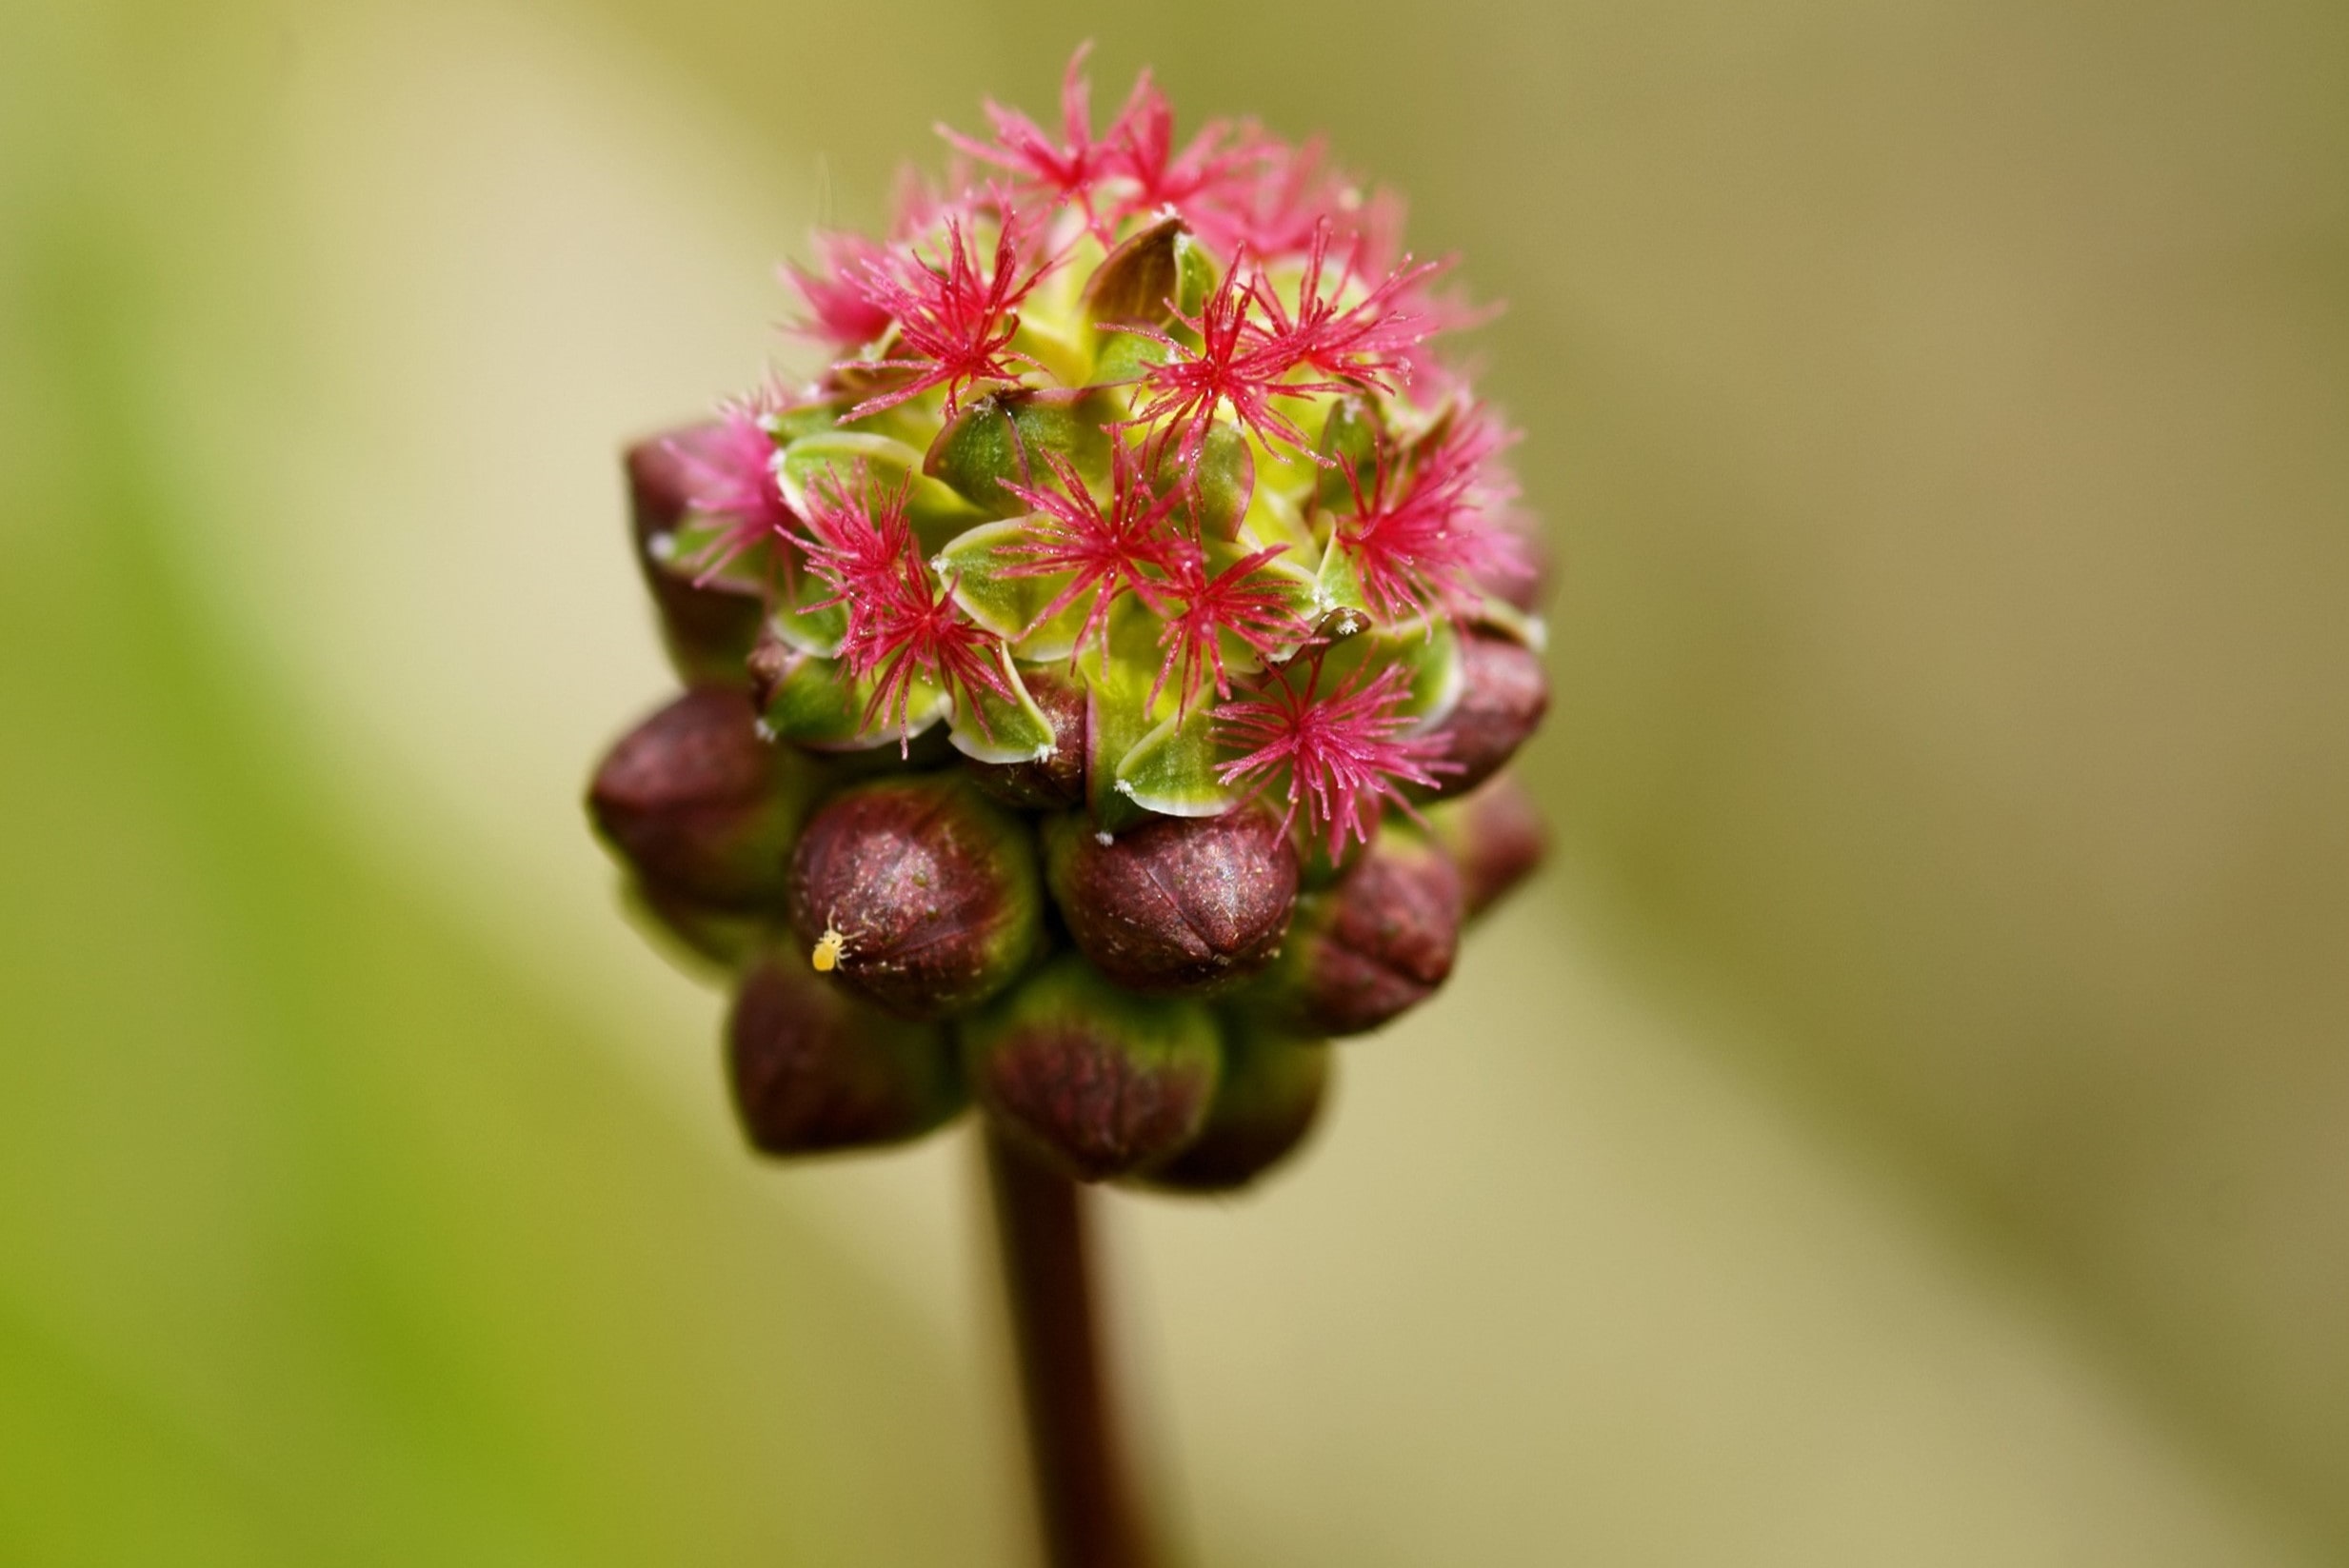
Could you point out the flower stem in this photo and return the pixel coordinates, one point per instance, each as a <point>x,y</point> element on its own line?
<point>1085,1498</point>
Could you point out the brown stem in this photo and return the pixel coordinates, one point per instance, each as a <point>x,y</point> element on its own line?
<point>1083,1494</point>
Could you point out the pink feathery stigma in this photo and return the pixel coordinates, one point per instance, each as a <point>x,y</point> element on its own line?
<point>856,539</point>
<point>1418,530</point>
<point>1341,755</point>
<point>1062,171</point>
<point>839,308</point>
<point>901,626</point>
<point>957,321</point>
<point>919,204</point>
<point>1238,600</point>
<point>1234,366</point>
<point>733,481</point>
<point>917,631</point>
<point>1367,342</point>
<point>1274,211</point>
<point>1108,554</point>
<point>1208,171</point>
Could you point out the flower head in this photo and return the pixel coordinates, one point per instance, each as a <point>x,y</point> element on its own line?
<point>1136,490</point>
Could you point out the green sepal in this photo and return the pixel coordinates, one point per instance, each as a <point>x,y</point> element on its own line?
<point>1427,649</point>
<point>1196,275</point>
<point>1349,436</point>
<point>989,728</point>
<point>912,421</point>
<point>1338,585</point>
<point>695,540</point>
<point>815,704</point>
<point>935,509</point>
<point>1216,488</point>
<point>816,631</point>
<point>1171,770</point>
<point>785,426</point>
<point>980,564</point>
<point>1120,711</point>
<point>1123,357</point>
<point>1285,575</point>
<point>1000,437</point>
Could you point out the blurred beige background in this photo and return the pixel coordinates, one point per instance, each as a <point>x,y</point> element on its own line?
<point>1909,1126</point>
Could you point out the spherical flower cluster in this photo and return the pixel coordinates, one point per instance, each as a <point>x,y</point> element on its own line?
<point>1099,675</point>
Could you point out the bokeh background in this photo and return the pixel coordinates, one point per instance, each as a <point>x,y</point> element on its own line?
<point>1909,1124</point>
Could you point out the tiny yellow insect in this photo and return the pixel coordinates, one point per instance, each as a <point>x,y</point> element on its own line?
<point>830,948</point>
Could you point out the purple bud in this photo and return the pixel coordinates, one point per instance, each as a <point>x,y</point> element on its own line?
<point>1265,1103</point>
<point>707,632</point>
<point>918,892</point>
<point>814,1069</point>
<point>1180,906</point>
<point>1369,948</point>
<point>701,807</point>
<point>1057,781</point>
<point>1495,837</point>
<point>1099,1081</point>
<point>1503,694</point>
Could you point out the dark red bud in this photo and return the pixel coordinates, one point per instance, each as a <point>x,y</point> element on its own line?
<point>1265,1104</point>
<point>1369,948</point>
<point>1180,906</point>
<point>930,888</point>
<point>706,632</point>
<point>813,1068</point>
<point>1055,783</point>
<point>1099,1081</point>
<point>1503,696</point>
<point>699,804</point>
<point>1495,837</point>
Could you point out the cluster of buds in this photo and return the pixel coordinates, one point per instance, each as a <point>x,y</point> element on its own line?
<point>1100,676</point>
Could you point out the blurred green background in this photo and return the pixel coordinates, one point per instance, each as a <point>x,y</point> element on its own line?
<point>1909,1126</point>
